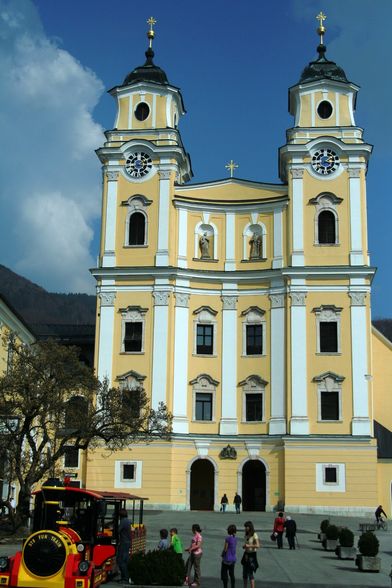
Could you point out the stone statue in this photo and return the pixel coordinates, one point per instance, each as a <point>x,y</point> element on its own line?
<point>255,246</point>
<point>204,246</point>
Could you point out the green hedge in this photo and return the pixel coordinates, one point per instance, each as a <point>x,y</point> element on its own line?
<point>165,568</point>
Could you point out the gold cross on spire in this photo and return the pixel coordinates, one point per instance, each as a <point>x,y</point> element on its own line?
<point>321,29</point>
<point>151,33</point>
<point>231,166</point>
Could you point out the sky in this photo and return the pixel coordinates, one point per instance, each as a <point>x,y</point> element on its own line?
<point>234,62</point>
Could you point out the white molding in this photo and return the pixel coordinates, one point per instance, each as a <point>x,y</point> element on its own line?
<point>297,227</point>
<point>230,241</point>
<point>299,424</point>
<point>356,246</point>
<point>228,424</point>
<point>361,424</point>
<point>162,256</point>
<point>106,335</point>
<point>159,353</point>
<point>277,423</point>
<point>277,261</point>
<point>109,256</point>
<point>182,238</point>
<point>180,383</point>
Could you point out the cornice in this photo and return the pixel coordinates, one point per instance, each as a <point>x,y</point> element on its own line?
<point>235,181</point>
<point>267,205</point>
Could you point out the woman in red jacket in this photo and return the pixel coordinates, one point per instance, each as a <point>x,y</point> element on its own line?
<point>278,529</point>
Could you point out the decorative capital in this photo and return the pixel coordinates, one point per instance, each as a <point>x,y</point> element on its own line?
<point>357,298</point>
<point>298,298</point>
<point>107,298</point>
<point>164,174</point>
<point>182,299</point>
<point>229,302</point>
<point>112,176</point>
<point>277,300</point>
<point>161,298</point>
<point>354,172</point>
<point>297,173</point>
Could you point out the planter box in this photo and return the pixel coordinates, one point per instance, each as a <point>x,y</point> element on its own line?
<point>368,564</point>
<point>330,544</point>
<point>346,552</point>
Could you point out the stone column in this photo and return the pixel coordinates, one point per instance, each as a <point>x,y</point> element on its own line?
<point>361,424</point>
<point>106,337</point>
<point>230,242</point>
<point>228,424</point>
<point>109,253</point>
<point>181,340</point>
<point>160,347</point>
<point>356,248</point>
<point>297,228</point>
<point>277,424</point>
<point>299,424</point>
<point>162,256</point>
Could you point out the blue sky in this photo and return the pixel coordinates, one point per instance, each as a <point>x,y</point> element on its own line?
<point>234,63</point>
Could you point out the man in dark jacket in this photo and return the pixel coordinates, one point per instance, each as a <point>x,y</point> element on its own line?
<point>237,502</point>
<point>124,545</point>
<point>291,531</point>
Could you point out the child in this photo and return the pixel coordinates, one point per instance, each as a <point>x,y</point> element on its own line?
<point>195,553</point>
<point>164,541</point>
<point>175,542</point>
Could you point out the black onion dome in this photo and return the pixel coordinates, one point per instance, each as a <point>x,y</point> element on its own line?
<point>149,72</point>
<point>322,68</point>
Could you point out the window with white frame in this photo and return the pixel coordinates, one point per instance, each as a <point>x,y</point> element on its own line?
<point>131,384</point>
<point>253,331</point>
<point>328,318</point>
<point>128,471</point>
<point>71,457</point>
<point>205,326</point>
<point>132,329</point>
<point>136,225</point>
<point>253,399</point>
<point>203,398</point>
<point>326,219</point>
<point>330,477</point>
<point>329,397</point>
<point>128,474</point>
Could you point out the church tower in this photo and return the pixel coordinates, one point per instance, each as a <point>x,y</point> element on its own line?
<point>243,306</point>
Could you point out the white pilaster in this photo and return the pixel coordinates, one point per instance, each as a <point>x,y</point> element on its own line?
<point>162,256</point>
<point>181,338</point>
<point>277,424</point>
<point>159,347</point>
<point>106,333</point>
<point>299,424</point>
<point>356,249</point>
<point>230,242</point>
<point>109,254</point>
<point>228,423</point>
<point>361,424</point>
<point>278,239</point>
<point>297,258</point>
<point>182,238</point>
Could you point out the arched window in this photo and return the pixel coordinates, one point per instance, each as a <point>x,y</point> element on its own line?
<point>326,227</point>
<point>137,229</point>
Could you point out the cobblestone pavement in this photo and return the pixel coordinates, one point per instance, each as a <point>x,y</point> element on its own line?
<point>309,566</point>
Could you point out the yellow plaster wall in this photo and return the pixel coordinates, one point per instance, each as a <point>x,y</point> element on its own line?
<point>384,479</point>
<point>382,378</point>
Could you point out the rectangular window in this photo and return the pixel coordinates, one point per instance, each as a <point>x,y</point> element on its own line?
<point>203,408</point>
<point>254,407</point>
<point>205,339</point>
<point>71,457</point>
<point>328,337</point>
<point>329,406</point>
<point>330,475</point>
<point>254,339</point>
<point>128,472</point>
<point>133,336</point>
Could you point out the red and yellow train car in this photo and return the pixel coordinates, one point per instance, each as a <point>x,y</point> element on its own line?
<point>74,538</point>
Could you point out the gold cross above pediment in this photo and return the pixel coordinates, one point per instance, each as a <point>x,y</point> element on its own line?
<point>231,166</point>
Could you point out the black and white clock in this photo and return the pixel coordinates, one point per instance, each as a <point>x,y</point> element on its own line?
<point>325,161</point>
<point>138,164</point>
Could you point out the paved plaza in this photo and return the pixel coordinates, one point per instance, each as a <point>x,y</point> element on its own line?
<point>309,566</point>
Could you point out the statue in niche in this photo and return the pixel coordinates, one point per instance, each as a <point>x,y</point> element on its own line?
<point>256,244</point>
<point>204,243</point>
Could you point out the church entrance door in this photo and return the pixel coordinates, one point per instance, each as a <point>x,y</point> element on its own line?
<point>253,485</point>
<point>202,485</point>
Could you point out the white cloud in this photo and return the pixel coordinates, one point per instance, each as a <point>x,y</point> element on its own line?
<point>50,189</point>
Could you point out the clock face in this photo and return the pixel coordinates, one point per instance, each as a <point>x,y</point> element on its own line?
<point>138,165</point>
<point>325,161</point>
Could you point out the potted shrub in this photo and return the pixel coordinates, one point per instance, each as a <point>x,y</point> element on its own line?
<point>162,568</point>
<point>346,549</point>
<point>331,538</point>
<point>367,560</point>
<point>323,527</point>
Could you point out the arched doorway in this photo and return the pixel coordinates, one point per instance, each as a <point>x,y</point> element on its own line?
<point>202,485</point>
<point>253,485</point>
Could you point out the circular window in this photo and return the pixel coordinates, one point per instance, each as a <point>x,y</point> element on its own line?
<point>142,111</point>
<point>324,109</point>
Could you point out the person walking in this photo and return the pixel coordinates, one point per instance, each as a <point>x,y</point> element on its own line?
<point>237,503</point>
<point>195,552</point>
<point>224,503</point>
<point>291,530</point>
<point>124,545</point>
<point>278,529</point>
<point>249,559</point>
<point>163,540</point>
<point>229,556</point>
<point>175,541</point>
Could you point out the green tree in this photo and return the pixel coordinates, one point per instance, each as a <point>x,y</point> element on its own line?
<point>49,400</point>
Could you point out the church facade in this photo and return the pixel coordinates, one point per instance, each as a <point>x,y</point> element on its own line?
<point>244,306</point>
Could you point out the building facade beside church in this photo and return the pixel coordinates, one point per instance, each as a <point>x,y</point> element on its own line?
<point>244,306</point>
